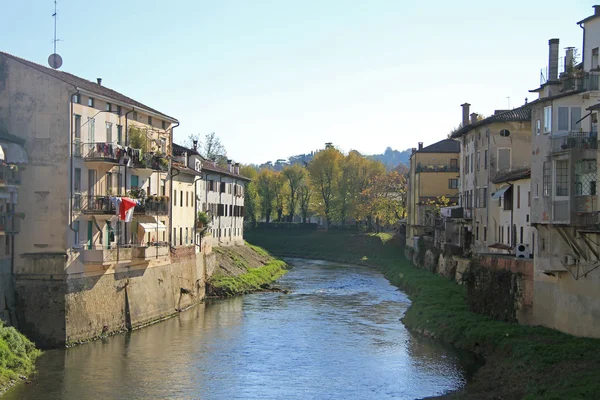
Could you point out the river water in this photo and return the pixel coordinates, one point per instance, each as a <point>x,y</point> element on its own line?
<point>337,335</point>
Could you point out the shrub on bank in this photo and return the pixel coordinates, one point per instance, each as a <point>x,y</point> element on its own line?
<point>17,355</point>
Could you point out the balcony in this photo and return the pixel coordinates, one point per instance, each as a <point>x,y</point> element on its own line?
<point>155,162</point>
<point>103,152</point>
<point>157,250</point>
<point>580,81</point>
<point>93,204</point>
<point>9,176</point>
<point>122,253</point>
<point>576,141</point>
<point>9,224</point>
<point>153,207</point>
<point>437,168</point>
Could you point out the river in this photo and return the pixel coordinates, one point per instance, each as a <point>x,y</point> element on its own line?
<point>337,335</point>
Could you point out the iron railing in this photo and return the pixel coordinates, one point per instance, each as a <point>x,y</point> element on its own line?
<point>9,223</point>
<point>93,204</point>
<point>156,163</point>
<point>10,175</point>
<point>437,168</point>
<point>153,207</point>
<point>575,140</point>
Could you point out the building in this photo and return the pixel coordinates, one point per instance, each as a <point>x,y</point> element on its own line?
<point>79,271</point>
<point>491,148</point>
<point>434,173</point>
<point>564,179</point>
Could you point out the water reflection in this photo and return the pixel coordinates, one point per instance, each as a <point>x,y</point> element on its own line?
<point>336,336</point>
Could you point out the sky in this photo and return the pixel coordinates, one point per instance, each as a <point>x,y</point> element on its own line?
<point>279,78</point>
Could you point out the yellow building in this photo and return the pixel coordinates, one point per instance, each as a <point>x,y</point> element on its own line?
<point>434,172</point>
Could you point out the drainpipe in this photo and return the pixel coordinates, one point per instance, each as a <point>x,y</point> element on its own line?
<point>71,160</point>
<point>125,176</point>
<point>170,175</point>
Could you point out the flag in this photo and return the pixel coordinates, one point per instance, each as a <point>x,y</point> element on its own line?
<point>126,209</point>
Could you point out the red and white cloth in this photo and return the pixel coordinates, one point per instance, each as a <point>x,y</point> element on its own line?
<point>124,207</point>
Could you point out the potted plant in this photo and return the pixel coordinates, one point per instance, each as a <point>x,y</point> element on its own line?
<point>202,219</point>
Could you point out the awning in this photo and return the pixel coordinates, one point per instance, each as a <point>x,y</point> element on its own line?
<point>151,226</point>
<point>14,153</point>
<point>500,192</point>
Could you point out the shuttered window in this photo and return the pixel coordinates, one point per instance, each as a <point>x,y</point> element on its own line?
<point>503,159</point>
<point>563,118</point>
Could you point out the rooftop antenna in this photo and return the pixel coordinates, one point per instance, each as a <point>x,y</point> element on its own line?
<point>55,61</point>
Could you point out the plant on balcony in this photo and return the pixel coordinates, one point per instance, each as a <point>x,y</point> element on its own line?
<point>163,163</point>
<point>202,219</point>
<point>139,194</point>
<point>137,139</point>
<point>150,199</point>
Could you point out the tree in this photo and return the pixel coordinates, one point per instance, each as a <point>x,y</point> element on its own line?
<point>295,176</point>
<point>267,190</point>
<point>324,172</point>
<point>211,148</point>
<point>251,197</point>
<point>304,197</point>
<point>281,194</point>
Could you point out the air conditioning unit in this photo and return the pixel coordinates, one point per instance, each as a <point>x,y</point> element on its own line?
<point>570,260</point>
<point>522,251</point>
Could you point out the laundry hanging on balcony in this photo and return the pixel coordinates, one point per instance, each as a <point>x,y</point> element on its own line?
<point>124,207</point>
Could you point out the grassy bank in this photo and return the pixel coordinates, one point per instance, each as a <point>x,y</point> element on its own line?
<point>17,356</point>
<point>521,361</point>
<point>243,269</point>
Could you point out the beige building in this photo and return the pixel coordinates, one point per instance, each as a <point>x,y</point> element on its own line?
<point>564,179</point>
<point>491,148</point>
<point>81,272</point>
<point>433,174</point>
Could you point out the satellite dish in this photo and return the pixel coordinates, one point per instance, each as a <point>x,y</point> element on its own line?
<point>55,61</point>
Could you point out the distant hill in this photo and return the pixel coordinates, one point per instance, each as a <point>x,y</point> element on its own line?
<point>390,158</point>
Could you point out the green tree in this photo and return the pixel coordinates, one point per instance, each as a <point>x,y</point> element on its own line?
<point>295,176</point>
<point>304,197</point>
<point>251,197</point>
<point>210,148</point>
<point>325,169</point>
<point>267,190</point>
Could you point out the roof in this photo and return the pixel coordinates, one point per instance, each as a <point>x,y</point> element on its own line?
<point>523,173</point>
<point>443,146</point>
<point>520,114</point>
<point>88,86</point>
<point>208,165</point>
<point>185,169</point>
<point>589,18</point>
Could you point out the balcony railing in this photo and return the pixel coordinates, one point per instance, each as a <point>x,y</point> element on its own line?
<point>98,254</point>
<point>589,220</point>
<point>93,204</point>
<point>156,163</point>
<point>103,151</point>
<point>9,175</point>
<point>153,207</point>
<point>9,224</point>
<point>437,168</point>
<point>575,140</point>
<point>580,81</point>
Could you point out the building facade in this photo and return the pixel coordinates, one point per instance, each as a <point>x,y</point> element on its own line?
<point>564,169</point>
<point>433,175</point>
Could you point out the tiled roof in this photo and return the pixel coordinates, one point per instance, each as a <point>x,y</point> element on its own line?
<point>523,173</point>
<point>178,150</point>
<point>87,85</point>
<point>184,168</point>
<point>520,114</point>
<point>443,146</point>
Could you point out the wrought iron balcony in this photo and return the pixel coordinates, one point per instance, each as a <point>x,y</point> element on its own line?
<point>575,141</point>
<point>10,175</point>
<point>156,163</point>
<point>437,168</point>
<point>93,204</point>
<point>10,224</point>
<point>153,207</point>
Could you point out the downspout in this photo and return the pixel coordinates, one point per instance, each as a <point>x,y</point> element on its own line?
<point>583,47</point>
<point>71,160</point>
<point>125,177</point>
<point>170,174</point>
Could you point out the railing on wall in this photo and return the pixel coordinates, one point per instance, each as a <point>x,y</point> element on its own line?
<point>575,140</point>
<point>437,168</point>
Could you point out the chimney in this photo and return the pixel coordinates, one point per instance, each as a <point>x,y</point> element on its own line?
<point>569,58</point>
<point>553,60</point>
<point>185,158</point>
<point>99,80</point>
<point>420,145</point>
<point>229,166</point>
<point>474,117</point>
<point>414,150</point>
<point>465,116</point>
<point>596,10</point>
<point>237,168</point>
<point>195,145</point>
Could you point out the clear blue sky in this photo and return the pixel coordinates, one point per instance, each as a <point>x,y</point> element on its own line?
<point>277,78</point>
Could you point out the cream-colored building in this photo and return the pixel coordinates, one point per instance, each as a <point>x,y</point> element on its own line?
<point>433,174</point>
<point>565,210</point>
<point>490,149</point>
<point>79,271</point>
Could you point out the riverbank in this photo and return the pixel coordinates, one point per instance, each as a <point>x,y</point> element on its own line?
<point>243,269</point>
<point>17,357</point>
<point>521,361</point>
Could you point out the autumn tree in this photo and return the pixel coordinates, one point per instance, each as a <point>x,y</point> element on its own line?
<point>295,176</point>
<point>251,197</point>
<point>281,195</point>
<point>325,169</point>
<point>267,191</point>
<point>304,197</point>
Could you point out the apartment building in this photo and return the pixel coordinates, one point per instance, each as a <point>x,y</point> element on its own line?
<point>564,179</point>
<point>79,270</point>
<point>491,148</point>
<point>434,173</point>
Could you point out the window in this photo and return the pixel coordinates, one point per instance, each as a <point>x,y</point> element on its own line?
<point>529,198</point>
<point>478,160</point>
<point>484,197</point>
<point>187,201</point>
<point>452,183</point>
<point>508,199</point>
<point>537,190</point>
<point>485,159</point>
<point>563,118</point>
<point>76,98</point>
<point>521,241</point>
<point>180,236</point>
<point>485,233</point>
<point>76,231</point>
<point>135,182</point>
<point>108,132</point>
<point>503,159</point>
<point>163,124</point>
<point>91,132</point>
<point>91,102</point>
<point>77,180</point>
<point>7,245</point>
<point>181,198</point>
<point>595,58</point>
<point>477,233</point>
<point>149,120</point>
<point>500,201</point>
<point>163,187</point>
<point>548,119</point>
<point>538,127</point>
<point>119,111</point>
<point>575,118</point>
<point>186,236</point>
<point>77,129</point>
<point>585,178</point>
<point>471,161</point>
<point>518,196</point>
<point>108,107</point>
<point>134,115</point>
<point>222,188</point>
<point>505,133</point>
<point>174,236</point>
<point>174,198</point>
<point>119,134</point>
<point>561,177</point>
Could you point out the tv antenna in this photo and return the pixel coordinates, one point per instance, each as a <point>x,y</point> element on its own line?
<point>55,61</point>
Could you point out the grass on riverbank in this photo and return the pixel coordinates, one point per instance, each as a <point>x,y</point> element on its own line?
<point>521,361</point>
<point>17,355</point>
<point>243,269</point>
